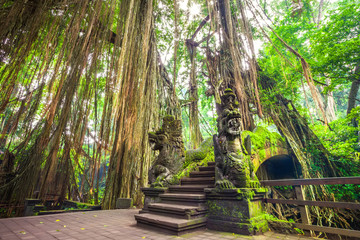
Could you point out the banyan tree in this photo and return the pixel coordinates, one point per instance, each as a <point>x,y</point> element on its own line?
<point>75,73</point>
<point>83,83</point>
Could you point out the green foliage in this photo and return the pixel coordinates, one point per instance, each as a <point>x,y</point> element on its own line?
<point>284,188</point>
<point>300,231</point>
<point>335,44</point>
<point>341,139</point>
<point>80,205</point>
<point>329,46</point>
<point>346,192</point>
<point>280,64</point>
<point>4,213</point>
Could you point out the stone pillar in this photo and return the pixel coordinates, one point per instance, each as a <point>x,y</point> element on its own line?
<point>151,196</point>
<point>124,203</point>
<point>30,206</point>
<point>237,210</point>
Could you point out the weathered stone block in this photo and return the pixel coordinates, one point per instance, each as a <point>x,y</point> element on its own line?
<point>151,196</point>
<point>236,210</point>
<point>123,203</point>
<point>29,209</point>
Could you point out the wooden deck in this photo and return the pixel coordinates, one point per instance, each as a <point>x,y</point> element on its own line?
<point>112,224</point>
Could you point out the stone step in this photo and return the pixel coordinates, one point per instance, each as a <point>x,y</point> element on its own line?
<point>202,174</point>
<point>198,180</point>
<point>188,188</point>
<point>181,210</point>
<point>183,197</point>
<point>172,224</point>
<point>211,168</point>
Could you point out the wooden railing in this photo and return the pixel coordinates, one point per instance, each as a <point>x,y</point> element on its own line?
<point>301,202</point>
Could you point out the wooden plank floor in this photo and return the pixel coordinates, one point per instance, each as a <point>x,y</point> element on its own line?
<point>111,224</point>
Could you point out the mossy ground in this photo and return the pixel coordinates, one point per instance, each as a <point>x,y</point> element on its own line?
<point>82,205</point>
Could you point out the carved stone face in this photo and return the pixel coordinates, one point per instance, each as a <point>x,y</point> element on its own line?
<point>234,126</point>
<point>162,138</point>
<point>229,101</point>
<point>157,141</point>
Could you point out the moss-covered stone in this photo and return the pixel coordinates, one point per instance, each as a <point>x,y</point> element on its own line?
<point>282,226</point>
<point>77,205</point>
<point>258,224</point>
<point>262,138</point>
<point>264,144</point>
<point>168,141</point>
<point>194,159</point>
<point>236,211</point>
<point>205,151</point>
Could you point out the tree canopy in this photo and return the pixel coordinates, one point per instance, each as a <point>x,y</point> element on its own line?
<point>83,82</point>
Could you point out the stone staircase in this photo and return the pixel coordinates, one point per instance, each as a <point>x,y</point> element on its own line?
<point>182,208</point>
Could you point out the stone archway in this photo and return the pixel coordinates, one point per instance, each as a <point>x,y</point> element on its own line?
<point>281,166</point>
<point>263,155</point>
<point>271,157</point>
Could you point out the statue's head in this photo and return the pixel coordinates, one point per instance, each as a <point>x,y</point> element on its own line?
<point>176,128</point>
<point>233,124</point>
<point>162,138</point>
<point>168,123</point>
<point>229,100</point>
<point>157,140</point>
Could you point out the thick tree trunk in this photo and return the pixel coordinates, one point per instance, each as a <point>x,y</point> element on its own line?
<point>307,147</point>
<point>134,114</point>
<point>195,134</point>
<point>176,43</point>
<point>330,105</point>
<point>231,67</point>
<point>353,91</point>
<point>72,54</point>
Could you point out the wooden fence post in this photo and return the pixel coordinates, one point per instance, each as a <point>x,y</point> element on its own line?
<point>304,210</point>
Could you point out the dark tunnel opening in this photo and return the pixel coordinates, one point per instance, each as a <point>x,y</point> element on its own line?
<point>279,167</point>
